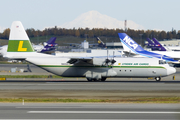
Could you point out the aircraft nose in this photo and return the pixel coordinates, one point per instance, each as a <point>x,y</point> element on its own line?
<point>171,70</point>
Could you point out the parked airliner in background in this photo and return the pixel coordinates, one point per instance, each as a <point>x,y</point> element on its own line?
<point>93,68</point>
<point>154,45</point>
<point>166,48</point>
<point>131,46</point>
<point>50,45</point>
<point>150,44</point>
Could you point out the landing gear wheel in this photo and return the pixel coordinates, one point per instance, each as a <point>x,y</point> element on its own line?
<point>158,79</point>
<point>103,79</point>
<point>89,79</point>
<point>95,80</point>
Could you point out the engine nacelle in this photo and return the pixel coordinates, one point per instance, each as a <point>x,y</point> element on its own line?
<point>98,61</point>
<point>102,61</point>
<point>94,76</point>
<point>99,74</point>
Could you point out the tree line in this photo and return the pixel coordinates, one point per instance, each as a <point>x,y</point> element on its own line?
<point>80,32</point>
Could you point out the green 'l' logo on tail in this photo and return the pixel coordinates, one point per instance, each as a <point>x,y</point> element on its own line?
<point>20,46</point>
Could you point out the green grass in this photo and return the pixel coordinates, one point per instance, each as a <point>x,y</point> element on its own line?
<point>159,100</point>
<point>128,100</point>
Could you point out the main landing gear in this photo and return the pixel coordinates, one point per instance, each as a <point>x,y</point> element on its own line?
<point>93,79</point>
<point>158,79</point>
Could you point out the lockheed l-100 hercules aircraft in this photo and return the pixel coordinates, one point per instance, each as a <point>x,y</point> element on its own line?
<point>93,68</point>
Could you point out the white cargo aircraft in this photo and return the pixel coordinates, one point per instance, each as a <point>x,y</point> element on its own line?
<point>93,68</point>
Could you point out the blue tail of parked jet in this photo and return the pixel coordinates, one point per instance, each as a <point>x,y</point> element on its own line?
<point>158,45</point>
<point>156,41</point>
<point>150,43</point>
<point>130,45</point>
<point>155,45</point>
<point>50,45</point>
<point>52,41</point>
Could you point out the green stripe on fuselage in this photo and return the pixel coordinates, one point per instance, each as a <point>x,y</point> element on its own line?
<point>20,46</point>
<point>103,66</point>
<point>139,67</point>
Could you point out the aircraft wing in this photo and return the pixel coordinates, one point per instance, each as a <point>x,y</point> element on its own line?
<point>98,61</point>
<point>80,59</point>
<point>127,53</point>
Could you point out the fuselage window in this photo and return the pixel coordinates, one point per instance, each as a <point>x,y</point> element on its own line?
<point>162,62</point>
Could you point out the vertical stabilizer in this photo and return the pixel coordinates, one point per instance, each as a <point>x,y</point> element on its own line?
<point>156,41</point>
<point>100,43</point>
<point>129,44</point>
<point>150,43</point>
<point>49,45</point>
<point>18,39</point>
<point>158,45</point>
<point>52,40</point>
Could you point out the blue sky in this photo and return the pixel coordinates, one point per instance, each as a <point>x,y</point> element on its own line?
<point>38,14</point>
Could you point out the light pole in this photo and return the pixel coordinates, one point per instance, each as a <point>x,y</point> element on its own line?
<point>140,39</point>
<point>86,36</point>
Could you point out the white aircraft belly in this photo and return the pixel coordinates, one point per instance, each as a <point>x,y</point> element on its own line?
<point>139,72</point>
<point>172,54</point>
<point>80,71</point>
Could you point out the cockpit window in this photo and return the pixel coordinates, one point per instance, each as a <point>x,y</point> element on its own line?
<point>162,62</point>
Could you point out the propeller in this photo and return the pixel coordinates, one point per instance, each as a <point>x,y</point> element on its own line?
<point>113,61</point>
<point>108,61</point>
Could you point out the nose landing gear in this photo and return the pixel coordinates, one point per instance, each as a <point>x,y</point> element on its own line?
<point>158,79</point>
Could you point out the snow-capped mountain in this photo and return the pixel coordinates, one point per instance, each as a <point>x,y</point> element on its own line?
<point>94,19</point>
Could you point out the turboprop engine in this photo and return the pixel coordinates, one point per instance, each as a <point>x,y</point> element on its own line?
<point>103,62</point>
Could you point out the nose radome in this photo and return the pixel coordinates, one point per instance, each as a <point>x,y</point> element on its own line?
<point>171,70</point>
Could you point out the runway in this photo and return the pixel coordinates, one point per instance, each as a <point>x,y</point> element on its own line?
<point>80,88</point>
<point>90,111</point>
<point>113,88</point>
<point>89,90</point>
